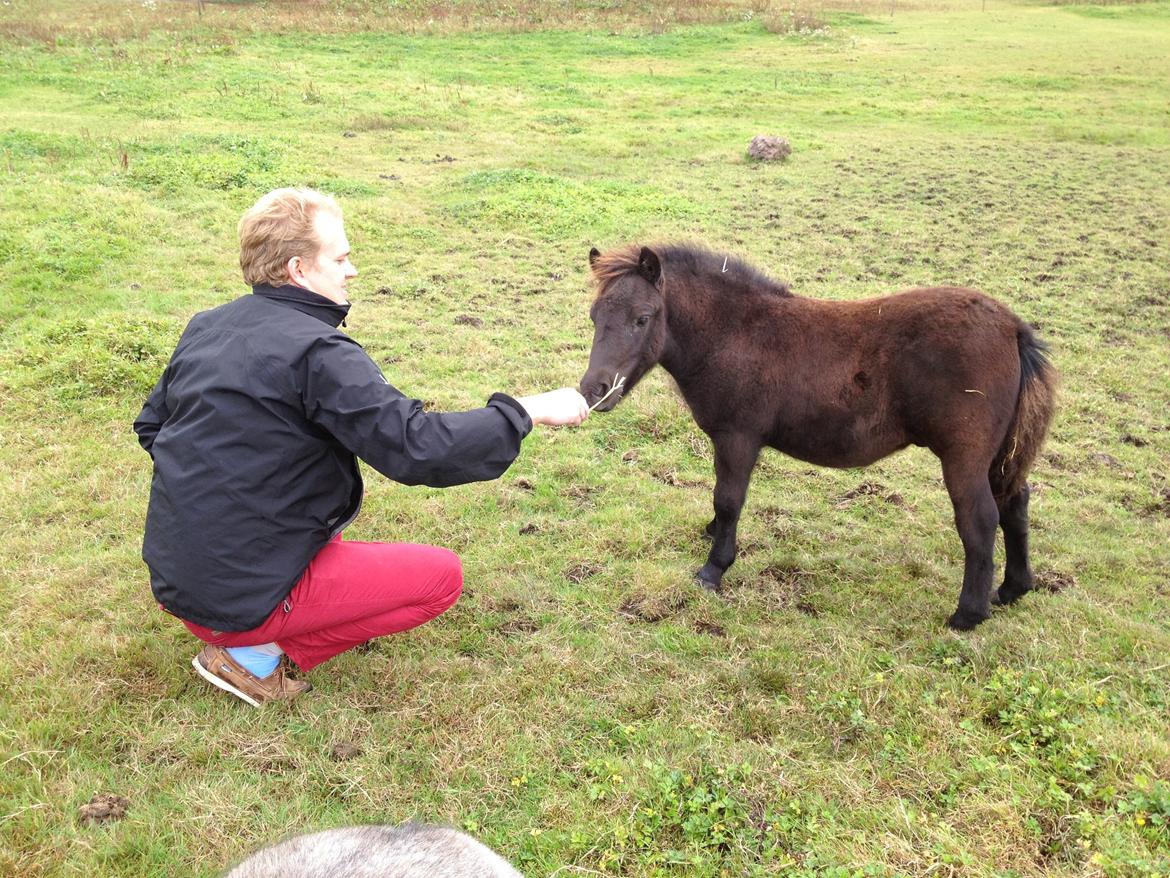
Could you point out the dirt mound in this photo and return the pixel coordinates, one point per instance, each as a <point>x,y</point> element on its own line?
<point>766,148</point>
<point>104,807</point>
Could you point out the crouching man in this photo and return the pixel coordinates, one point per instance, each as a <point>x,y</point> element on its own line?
<point>255,428</point>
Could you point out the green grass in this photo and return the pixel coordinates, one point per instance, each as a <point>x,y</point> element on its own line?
<point>584,706</point>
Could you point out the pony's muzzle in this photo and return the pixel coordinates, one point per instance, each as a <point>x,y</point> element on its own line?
<point>596,390</point>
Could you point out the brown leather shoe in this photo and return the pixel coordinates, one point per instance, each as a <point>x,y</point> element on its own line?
<point>216,666</point>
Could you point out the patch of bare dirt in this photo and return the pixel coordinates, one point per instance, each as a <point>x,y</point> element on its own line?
<point>104,808</point>
<point>519,625</point>
<point>777,520</point>
<point>275,765</point>
<point>468,320</point>
<point>1161,505</point>
<point>652,608</point>
<point>672,478</point>
<point>1105,459</point>
<point>870,489</point>
<point>1056,839</point>
<point>1055,581</point>
<point>581,571</point>
<point>344,751</point>
<point>502,604</point>
<point>790,585</point>
<point>703,626</point>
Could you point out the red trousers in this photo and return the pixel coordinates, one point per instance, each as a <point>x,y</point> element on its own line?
<point>351,593</point>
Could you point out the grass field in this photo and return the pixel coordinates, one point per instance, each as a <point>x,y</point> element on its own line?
<point>584,709</point>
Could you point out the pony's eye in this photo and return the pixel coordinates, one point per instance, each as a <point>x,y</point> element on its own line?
<point>642,321</point>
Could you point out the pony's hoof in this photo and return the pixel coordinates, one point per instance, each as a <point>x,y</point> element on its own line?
<point>1009,594</point>
<point>965,621</point>
<point>706,583</point>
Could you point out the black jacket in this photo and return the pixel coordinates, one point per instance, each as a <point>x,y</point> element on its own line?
<point>253,428</point>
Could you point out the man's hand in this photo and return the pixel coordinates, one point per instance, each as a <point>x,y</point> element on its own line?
<point>564,407</point>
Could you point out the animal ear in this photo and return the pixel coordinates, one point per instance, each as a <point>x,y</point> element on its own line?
<point>594,253</point>
<point>649,267</point>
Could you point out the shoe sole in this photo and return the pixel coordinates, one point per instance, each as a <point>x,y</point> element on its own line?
<point>222,684</point>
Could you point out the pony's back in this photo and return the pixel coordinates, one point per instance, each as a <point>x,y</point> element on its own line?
<point>407,851</point>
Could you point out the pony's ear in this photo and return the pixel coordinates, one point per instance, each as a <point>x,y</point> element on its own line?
<point>649,267</point>
<point>594,253</point>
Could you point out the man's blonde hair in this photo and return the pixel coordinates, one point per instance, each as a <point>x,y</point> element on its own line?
<point>278,227</point>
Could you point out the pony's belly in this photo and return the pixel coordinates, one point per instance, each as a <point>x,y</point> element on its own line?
<point>839,450</point>
<point>836,461</point>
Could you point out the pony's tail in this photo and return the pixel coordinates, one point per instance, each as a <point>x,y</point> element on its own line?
<point>1029,426</point>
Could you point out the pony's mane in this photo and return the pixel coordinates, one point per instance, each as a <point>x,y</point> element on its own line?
<point>731,271</point>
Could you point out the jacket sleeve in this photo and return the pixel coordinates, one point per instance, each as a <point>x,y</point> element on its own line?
<point>346,394</point>
<point>153,415</point>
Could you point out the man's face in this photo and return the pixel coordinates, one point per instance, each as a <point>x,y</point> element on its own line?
<point>330,271</point>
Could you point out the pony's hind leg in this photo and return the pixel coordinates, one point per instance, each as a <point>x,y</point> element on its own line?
<point>1017,574</point>
<point>735,457</point>
<point>976,517</point>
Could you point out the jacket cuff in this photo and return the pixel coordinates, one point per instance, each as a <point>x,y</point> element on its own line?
<point>513,411</point>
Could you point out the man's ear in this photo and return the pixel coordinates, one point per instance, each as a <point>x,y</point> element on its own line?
<point>649,267</point>
<point>594,254</point>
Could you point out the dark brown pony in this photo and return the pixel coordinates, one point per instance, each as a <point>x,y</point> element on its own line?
<point>838,384</point>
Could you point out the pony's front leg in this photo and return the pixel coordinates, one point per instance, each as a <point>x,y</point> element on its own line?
<point>735,457</point>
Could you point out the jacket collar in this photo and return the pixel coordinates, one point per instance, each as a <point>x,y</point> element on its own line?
<point>305,301</point>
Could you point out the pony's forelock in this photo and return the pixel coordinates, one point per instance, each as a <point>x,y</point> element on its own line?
<point>608,267</point>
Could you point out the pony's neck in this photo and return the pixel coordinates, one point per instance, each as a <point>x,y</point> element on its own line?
<point>688,341</point>
<point>702,314</point>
